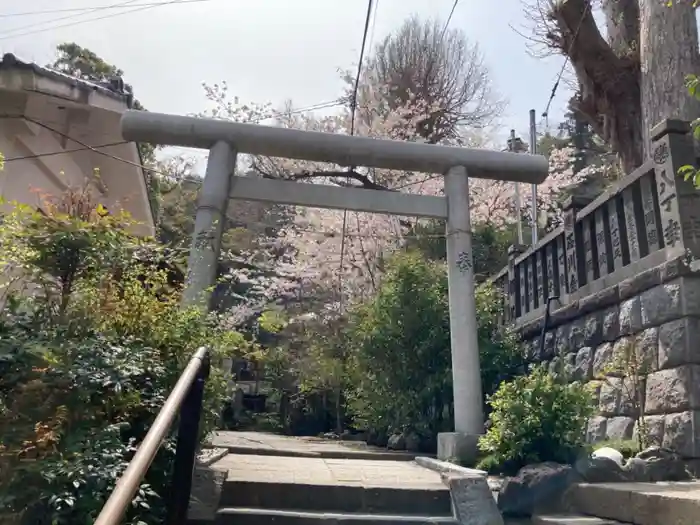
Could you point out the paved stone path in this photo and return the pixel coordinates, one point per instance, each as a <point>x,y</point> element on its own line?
<point>261,443</point>
<point>320,471</point>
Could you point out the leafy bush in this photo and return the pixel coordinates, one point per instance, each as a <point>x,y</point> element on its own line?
<point>534,419</point>
<point>400,358</point>
<point>92,341</point>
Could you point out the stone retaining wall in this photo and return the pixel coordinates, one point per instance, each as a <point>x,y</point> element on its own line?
<point>659,313</point>
<point>625,271</point>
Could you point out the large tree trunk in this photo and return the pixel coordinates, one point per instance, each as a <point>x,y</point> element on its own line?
<point>635,79</point>
<point>608,75</point>
<point>668,52</point>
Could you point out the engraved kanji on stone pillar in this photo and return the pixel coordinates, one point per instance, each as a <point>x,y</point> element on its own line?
<point>532,291</point>
<point>679,200</point>
<point>562,285</point>
<point>572,281</point>
<point>649,211</point>
<point>602,241</point>
<point>615,236</point>
<point>540,273</point>
<point>551,270</point>
<point>521,269</point>
<point>573,243</point>
<point>514,286</point>
<point>631,227</point>
<point>588,255</point>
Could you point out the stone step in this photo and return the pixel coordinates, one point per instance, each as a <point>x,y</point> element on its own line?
<point>571,519</point>
<point>667,503</point>
<point>387,455</point>
<point>256,516</point>
<point>337,498</point>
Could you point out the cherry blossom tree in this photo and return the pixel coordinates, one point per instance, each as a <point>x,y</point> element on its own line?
<point>336,257</point>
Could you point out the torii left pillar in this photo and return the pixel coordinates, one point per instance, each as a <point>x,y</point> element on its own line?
<point>212,203</point>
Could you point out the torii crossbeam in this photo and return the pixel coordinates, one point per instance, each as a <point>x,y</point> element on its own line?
<point>225,140</point>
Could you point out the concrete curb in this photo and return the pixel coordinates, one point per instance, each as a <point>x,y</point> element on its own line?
<point>443,467</point>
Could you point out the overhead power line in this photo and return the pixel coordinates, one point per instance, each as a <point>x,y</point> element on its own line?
<point>119,5</point>
<point>82,9</point>
<point>321,105</point>
<point>134,9</point>
<point>353,110</point>
<point>449,18</point>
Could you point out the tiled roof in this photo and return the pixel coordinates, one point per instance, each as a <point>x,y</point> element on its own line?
<point>115,87</point>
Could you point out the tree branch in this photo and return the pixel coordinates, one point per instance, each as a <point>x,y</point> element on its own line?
<point>365,182</point>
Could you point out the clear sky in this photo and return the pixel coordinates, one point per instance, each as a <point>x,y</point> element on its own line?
<point>271,50</point>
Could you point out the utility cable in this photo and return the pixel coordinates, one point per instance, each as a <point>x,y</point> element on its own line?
<point>449,18</point>
<point>545,113</point>
<point>83,9</point>
<point>67,17</point>
<point>321,105</point>
<point>103,17</point>
<point>353,108</point>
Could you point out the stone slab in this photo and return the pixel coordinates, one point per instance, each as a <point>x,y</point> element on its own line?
<point>282,469</point>
<point>332,485</point>
<point>457,447</point>
<point>670,503</point>
<point>472,500</point>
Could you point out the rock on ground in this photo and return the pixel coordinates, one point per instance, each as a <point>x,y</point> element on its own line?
<point>534,488</point>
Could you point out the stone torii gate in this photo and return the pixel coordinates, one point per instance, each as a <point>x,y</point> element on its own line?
<point>225,140</point>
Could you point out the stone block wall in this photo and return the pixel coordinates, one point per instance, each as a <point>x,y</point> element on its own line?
<point>658,312</point>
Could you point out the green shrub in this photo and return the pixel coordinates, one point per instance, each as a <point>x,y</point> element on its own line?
<point>399,355</point>
<point>534,418</point>
<point>92,341</point>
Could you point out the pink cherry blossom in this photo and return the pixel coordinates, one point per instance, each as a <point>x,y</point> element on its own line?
<point>341,254</point>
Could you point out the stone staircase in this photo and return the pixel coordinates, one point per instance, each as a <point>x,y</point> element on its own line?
<point>259,479</point>
<point>265,490</point>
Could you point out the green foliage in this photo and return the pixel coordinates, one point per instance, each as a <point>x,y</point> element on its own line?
<point>82,63</point>
<point>535,419</point>
<point>632,365</point>
<point>92,341</point>
<point>489,244</point>
<point>399,359</point>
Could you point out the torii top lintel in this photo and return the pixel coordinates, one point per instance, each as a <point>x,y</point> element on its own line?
<point>344,150</point>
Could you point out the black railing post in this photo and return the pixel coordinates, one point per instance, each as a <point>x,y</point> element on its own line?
<point>186,450</point>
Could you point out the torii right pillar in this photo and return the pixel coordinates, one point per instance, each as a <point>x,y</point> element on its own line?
<point>461,445</point>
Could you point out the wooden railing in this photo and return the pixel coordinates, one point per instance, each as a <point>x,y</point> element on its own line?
<point>639,222</point>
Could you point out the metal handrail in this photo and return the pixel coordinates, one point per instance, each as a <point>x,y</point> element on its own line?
<point>185,398</point>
